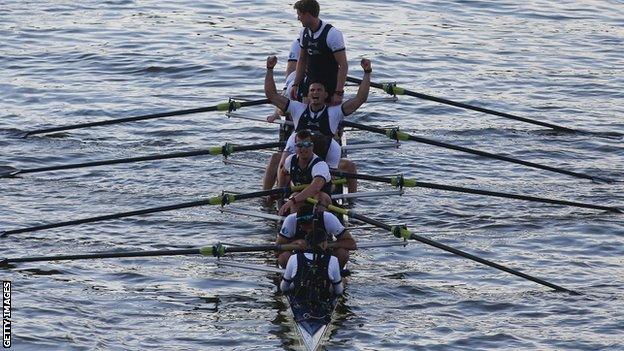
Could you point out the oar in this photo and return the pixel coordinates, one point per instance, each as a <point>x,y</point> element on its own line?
<point>215,250</point>
<point>224,150</point>
<point>402,232</point>
<point>394,133</point>
<point>225,106</point>
<point>399,181</point>
<point>216,200</point>
<point>395,90</point>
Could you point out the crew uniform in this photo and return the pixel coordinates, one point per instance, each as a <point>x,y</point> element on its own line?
<point>330,224</point>
<point>297,268</point>
<point>325,122</point>
<point>321,46</point>
<point>315,168</point>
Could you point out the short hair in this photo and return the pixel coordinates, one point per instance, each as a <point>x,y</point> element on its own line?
<point>304,134</point>
<point>305,214</point>
<point>317,82</point>
<point>308,6</point>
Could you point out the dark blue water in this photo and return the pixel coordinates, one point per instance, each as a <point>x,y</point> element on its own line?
<point>559,62</point>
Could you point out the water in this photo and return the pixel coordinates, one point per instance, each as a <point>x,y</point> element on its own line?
<point>554,61</point>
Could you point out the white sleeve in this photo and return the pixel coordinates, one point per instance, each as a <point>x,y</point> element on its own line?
<point>301,37</point>
<point>332,224</point>
<point>290,145</point>
<point>289,227</point>
<point>321,169</point>
<point>335,117</point>
<point>287,164</point>
<point>294,50</point>
<point>334,275</point>
<point>335,40</point>
<point>289,274</point>
<point>296,109</point>
<point>290,80</point>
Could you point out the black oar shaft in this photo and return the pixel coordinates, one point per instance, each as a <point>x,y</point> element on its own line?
<point>413,183</point>
<point>151,158</point>
<point>459,252</point>
<point>211,201</point>
<point>143,117</point>
<point>489,263</point>
<point>474,151</point>
<point>517,196</point>
<point>216,250</point>
<point>471,107</point>
<point>105,255</point>
<point>107,217</point>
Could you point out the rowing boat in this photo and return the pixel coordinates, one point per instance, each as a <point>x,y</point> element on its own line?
<point>313,318</point>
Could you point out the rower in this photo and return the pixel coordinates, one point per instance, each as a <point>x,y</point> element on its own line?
<point>270,173</point>
<point>298,225</point>
<point>323,55</point>
<point>317,116</point>
<point>304,167</point>
<point>299,278</point>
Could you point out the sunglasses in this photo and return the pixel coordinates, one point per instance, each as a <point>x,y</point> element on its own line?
<point>304,144</point>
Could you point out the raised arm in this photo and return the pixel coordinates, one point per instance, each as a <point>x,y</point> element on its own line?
<point>270,91</point>
<point>353,104</point>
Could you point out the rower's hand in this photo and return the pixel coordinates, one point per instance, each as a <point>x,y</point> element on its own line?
<point>336,99</point>
<point>272,117</point>
<point>271,62</point>
<point>301,244</point>
<point>294,90</point>
<point>366,64</point>
<point>287,207</point>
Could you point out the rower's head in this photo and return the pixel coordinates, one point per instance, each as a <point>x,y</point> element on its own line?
<point>308,219</point>
<point>307,12</point>
<point>317,94</point>
<point>304,146</point>
<point>305,217</point>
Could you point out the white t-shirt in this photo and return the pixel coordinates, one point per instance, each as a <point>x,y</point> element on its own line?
<point>333,273</point>
<point>295,49</point>
<point>335,40</point>
<point>320,169</point>
<point>332,225</point>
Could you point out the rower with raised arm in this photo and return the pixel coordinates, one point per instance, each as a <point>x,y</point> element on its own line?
<point>297,226</point>
<point>270,173</point>
<point>317,116</point>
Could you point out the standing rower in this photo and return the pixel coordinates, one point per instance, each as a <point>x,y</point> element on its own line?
<point>317,116</point>
<point>298,225</point>
<point>323,56</point>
